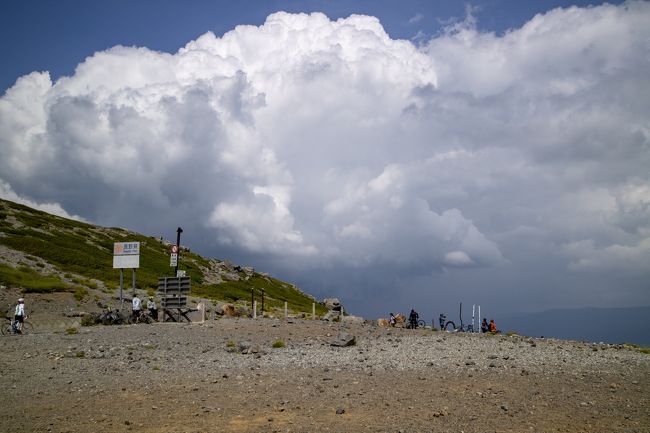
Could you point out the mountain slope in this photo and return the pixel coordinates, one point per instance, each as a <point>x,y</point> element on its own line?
<point>45,253</point>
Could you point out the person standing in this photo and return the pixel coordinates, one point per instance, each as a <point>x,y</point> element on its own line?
<point>413,319</point>
<point>151,306</point>
<point>136,305</point>
<point>442,320</point>
<point>493,326</point>
<point>19,315</point>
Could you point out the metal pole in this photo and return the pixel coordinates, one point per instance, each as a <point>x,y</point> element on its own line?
<point>178,259</point>
<point>479,314</point>
<point>313,311</point>
<point>121,285</point>
<point>286,313</point>
<point>178,248</point>
<point>473,328</point>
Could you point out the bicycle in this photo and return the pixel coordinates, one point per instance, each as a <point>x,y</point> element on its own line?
<point>140,318</point>
<point>110,317</point>
<point>9,327</point>
<point>418,324</point>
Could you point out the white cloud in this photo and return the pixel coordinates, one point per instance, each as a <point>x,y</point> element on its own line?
<point>416,18</point>
<point>458,258</point>
<point>310,143</point>
<point>7,193</point>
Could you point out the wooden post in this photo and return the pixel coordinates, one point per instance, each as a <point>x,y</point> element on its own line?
<point>313,311</point>
<point>254,309</point>
<point>286,314</point>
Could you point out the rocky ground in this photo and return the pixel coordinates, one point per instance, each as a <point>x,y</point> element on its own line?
<point>195,378</point>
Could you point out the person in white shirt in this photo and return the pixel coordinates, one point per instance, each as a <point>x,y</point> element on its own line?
<point>136,305</point>
<point>151,306</point>
<point>19,314</point>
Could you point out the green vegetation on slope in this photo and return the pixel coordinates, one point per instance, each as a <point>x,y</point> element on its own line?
<point>86,250</point>
<point>31,281</point>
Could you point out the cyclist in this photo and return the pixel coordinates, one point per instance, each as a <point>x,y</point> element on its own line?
<point>136,305</point>
<point>19,315</point>
<point>413,319</point>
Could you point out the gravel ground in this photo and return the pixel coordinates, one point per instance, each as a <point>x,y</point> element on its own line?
<point>194,378</point>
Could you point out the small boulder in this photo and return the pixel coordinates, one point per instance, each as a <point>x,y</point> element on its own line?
<point>343,339</point>
<point>332,304</point>
<point>244,346</point>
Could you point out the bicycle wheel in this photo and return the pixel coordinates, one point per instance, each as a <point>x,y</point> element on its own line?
<point>6,328</point>
<point>28,328</point>
<point>453,325</point>
<point>422,324</point>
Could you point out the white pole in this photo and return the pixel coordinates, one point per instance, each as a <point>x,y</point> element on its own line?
<point>313,311</point>
<point>286,312</point>
<point>473,328</point>
<point>201,308</point>
<point>479,315</point>
<point>254,309</point>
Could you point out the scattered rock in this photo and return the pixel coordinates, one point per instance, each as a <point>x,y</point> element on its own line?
<point>344,339</point>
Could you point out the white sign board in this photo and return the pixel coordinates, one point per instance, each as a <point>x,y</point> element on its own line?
<point>126,255</point>
<point>173,260</point>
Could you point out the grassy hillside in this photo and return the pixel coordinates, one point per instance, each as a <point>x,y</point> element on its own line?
<point>45,253</point>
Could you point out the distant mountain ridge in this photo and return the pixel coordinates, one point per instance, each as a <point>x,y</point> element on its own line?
<point>609,325</point>
<point>43,253</point>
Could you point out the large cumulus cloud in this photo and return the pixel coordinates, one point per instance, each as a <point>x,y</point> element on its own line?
<point>307,144</point>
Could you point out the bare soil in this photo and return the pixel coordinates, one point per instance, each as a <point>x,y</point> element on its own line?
<point>194,378</point>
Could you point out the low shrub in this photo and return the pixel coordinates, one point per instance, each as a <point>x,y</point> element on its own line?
<point>278,344</point>
<point>71,331</point>
<point>88,320</point>
<point>80,293</point>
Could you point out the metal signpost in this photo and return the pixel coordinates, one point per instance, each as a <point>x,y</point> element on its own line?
<point>126,255</point>
<point>173,256</point>
<point>173,292</point>
<point>178,247</point>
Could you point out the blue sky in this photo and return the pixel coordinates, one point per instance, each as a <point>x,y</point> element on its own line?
<point>415,154</point>
<point>57,35</point>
